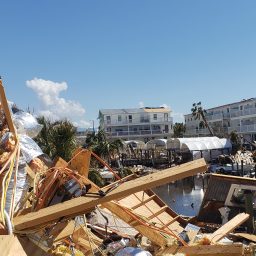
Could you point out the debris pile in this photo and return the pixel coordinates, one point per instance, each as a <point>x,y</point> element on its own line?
<point>245,156</point>
<point>52,208</point>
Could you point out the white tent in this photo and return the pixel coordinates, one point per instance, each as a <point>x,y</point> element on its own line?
<point>156,144</point>
<point>136,144</point>
<point>200,146</point>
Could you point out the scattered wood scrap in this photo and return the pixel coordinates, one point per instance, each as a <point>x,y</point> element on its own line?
<point>228,227</point>
<point>84,204</point>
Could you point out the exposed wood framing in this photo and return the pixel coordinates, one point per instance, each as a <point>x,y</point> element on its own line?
<point>228,227</point>
<point>148,232</point>
<point>83,204</point>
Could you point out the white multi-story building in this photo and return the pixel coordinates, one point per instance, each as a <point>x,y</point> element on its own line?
<point>137,124</point>
<point>239,117</point>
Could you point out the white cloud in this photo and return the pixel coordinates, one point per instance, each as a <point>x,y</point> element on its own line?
<point>54,106</point>
<point>141,104</point>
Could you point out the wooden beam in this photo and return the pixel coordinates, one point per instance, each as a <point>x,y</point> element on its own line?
<point>213,250</point>
<point>228,227</point>
<point>161,210</point>
<point>206,250</point>
<point>83,204</point>
<point>6,109</point>
<point>143,202</point>
<point>10,245</point>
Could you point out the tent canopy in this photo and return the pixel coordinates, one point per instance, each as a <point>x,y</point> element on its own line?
<point>198,143</point>
<point>156,144</point>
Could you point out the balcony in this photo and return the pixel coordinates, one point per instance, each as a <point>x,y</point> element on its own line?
<point>245,112</point>
<point>214,117</point>
<point>197,132</point>
<point>243,129</point>
<point>136,121</point>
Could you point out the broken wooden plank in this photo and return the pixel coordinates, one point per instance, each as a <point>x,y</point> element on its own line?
<point>213,250</point>
<point>249,237</point>
<point>7,110</point>
<point>81,161</point>
<point>228,227</point>
<point>10,245</point>
<point>83,204</point>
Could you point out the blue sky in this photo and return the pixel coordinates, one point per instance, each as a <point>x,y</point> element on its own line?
<point>72,58</point>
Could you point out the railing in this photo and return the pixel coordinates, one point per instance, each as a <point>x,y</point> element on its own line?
<point>136,121</point>
<point>203,131</point>
<point>237,113</point>
<point>214,117</point>
<point>243,128</point>
<point>245,112</point>
<point>136,133</point>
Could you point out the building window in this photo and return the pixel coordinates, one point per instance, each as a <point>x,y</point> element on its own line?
<point>241,107</point>
<point>155,116</point>
<point>130,118</point>
<point>108,119</point>
<point>119,118</point>
<point>165,116</point>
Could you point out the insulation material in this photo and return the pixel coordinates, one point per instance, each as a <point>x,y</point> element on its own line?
<point>29,148</point>
<point>21,185</point>
<point>26,124</point>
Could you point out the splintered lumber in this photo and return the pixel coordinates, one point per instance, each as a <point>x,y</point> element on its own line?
<point>250,237</point>
<point>6,109</point>
<point>207,250</point>
<point>84,204</point>
<point>228,227</point>
<point>10,245</point>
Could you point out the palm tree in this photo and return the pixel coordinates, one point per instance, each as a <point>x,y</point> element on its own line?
<point>43,139</point>
<point>199,113</point>
<point>57,138</point>
<point>178,130</point>
<point>102,146</point>
<point>63,137</point>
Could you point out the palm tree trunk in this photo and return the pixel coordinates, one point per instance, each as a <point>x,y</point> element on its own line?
<point>207,125</point>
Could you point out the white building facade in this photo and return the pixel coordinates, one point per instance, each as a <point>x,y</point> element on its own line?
<point>239,117</point>
<point>137,124</point>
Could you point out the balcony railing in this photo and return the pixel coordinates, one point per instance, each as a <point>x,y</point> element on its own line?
<point>137,133</point>
<point>232,114</point>
<point>203,131</point>
<point>135,121</point>
<point>243,128</point>
<point>214,117</point>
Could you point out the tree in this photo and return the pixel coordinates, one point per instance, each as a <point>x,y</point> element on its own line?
<point>63,137</point>
<point>57,138</point>
<point>235,140</point>
<point>102,146</point>
<point>178,130</point>
<point>199,113</point>
<point>43,139</point>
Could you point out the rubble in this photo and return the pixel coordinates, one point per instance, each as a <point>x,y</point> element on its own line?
<point>57,210</point>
